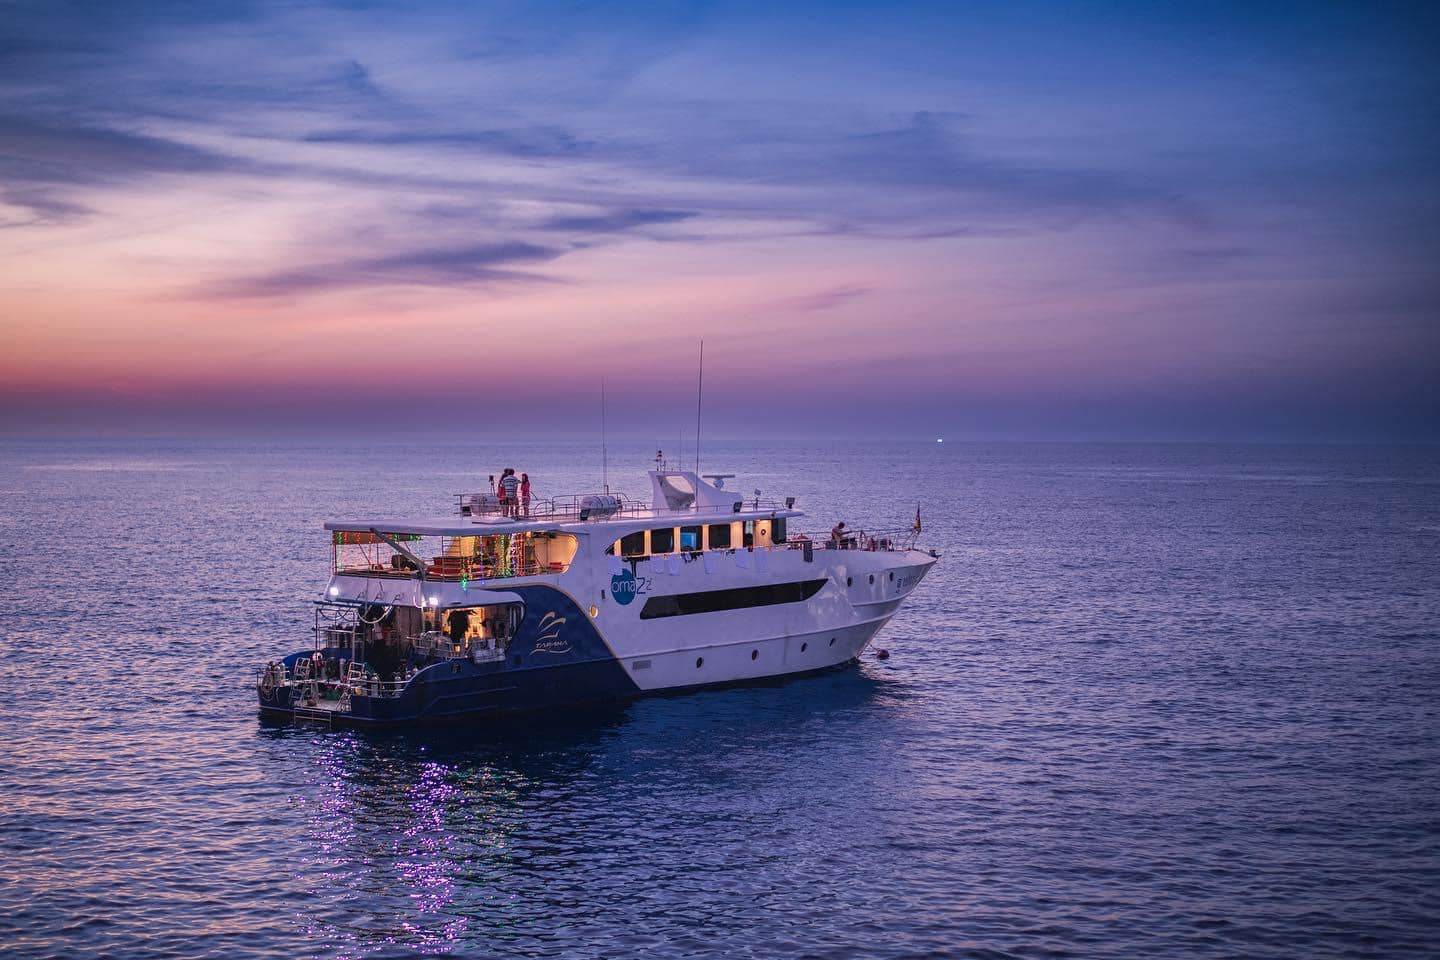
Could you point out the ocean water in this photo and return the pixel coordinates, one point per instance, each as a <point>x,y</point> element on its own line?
<point>1155,701</point>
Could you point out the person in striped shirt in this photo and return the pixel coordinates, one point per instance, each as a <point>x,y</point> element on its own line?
<point>509,487</point>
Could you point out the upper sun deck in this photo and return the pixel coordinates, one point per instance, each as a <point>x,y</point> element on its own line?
<point>488,540</point>
<point>676,495</point>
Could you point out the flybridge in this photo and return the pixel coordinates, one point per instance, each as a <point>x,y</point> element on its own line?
<point>487,544</point>
<point>672,492</point>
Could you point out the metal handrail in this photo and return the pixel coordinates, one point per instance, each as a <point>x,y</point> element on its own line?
<point>462,568</point>
<point>440,563</point>
<point>569,507</point>
<point>375,687</point>
<point>566,506</point>
<point>892,538</point>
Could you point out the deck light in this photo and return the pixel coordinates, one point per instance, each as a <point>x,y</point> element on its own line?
<point>334,591</point>
<point>434,601</point>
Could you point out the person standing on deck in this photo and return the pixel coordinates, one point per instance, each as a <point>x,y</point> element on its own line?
<point>509,489</point>
<point>525,494</point>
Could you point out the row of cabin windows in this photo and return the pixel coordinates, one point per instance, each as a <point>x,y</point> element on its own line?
<point>739,598</point>
<point>711,536</point>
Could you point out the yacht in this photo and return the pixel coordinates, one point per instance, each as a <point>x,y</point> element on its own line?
<point>505,606</point>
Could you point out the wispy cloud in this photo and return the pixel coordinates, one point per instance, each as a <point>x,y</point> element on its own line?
<point>445,266</point>
<point>616,221</point>
<point>38,151</point>
<point>825,299</point>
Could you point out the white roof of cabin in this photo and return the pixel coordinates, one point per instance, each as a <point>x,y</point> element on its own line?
<point>609,527</point>
<point>680,498</point>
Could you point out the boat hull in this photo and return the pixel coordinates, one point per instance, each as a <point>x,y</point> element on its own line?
<point>565,655</point>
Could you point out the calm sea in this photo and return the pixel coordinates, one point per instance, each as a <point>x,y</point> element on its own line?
<point>1155,701</point>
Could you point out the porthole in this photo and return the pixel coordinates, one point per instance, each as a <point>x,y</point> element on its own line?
<point>754,654</point>
<point>832,641</point>
<point>849,581</point>
<point>803,646</point>
<point>699,662</point>
<point>872,579</point>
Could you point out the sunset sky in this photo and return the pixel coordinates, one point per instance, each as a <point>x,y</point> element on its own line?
<point>1061,220</point>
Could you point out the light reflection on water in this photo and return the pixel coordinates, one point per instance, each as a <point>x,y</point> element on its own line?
<point>491,834</point>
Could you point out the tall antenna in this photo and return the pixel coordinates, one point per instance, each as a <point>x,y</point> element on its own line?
<point>699,395</point>
<point>604,457</point>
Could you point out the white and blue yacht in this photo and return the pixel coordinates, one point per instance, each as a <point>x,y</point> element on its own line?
<point>503,607</point>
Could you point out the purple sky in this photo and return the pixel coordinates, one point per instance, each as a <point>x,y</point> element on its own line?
<point>1014,220</point>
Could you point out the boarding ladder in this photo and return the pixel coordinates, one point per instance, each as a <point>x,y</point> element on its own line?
<point>306,691</point>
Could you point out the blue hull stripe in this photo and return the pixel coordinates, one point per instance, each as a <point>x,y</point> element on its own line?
<point>557,658</point>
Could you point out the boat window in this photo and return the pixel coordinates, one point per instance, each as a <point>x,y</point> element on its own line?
<point>719,536</point>
<point>662,540</point>
<point>503,555</point>
<point>633,544</point>
<point>468,557</point>
<point>714,601</point>
<point>777,530</point>
<point>690,537</point>
<point>547,552</point>
<point>373,555</point>
<point>467,631</point>
<point>749,535</point>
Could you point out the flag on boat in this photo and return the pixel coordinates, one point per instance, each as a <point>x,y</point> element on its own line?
<point>917,518</point>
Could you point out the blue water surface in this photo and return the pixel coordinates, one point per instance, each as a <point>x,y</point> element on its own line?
<point>1155,701</point>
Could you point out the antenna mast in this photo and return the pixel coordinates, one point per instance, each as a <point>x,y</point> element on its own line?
<point>604,458</point>
<point>699,395</point>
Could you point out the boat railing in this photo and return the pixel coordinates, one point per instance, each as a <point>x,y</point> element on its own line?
<point>590,506</point>
<point>472,558</point>
<point>313,682</point>
<point>567,506</point>
<point>896,538</point>
<point>475,569</point>
<point>373,686</point>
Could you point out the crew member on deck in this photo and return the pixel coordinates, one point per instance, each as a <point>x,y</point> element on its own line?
<point>459,626</point>
<point>837,535</point>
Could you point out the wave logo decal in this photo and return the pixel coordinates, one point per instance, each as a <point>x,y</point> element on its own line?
<point>549,640</point>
